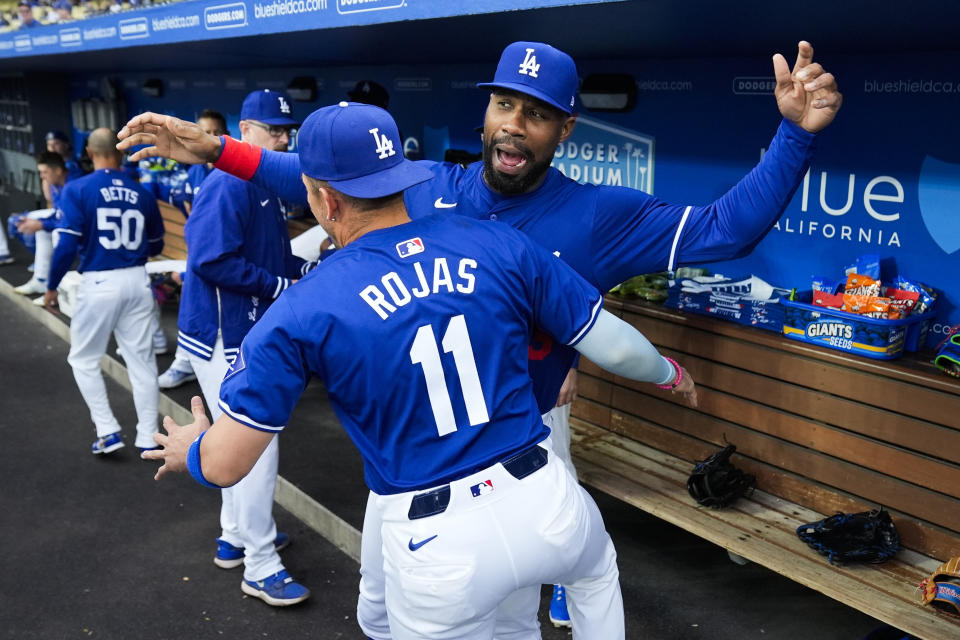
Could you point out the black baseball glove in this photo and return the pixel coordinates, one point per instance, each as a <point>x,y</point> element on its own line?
<point>853,537</point>
<point>717,483</point>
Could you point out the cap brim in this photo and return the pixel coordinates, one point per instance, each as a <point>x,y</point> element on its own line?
<point>279,122</point>
<point>526,89</point>
<point>384,183</point>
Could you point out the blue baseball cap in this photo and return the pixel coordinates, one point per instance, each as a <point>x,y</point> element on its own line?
<point>356,148</point>
<point>63,4</point>
<point>56,135</point>
<point>538,70</point>
<point>268,107</point>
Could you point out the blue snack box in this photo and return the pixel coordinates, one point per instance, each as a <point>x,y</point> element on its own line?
<point>735,300</point>
<point>851,332</point>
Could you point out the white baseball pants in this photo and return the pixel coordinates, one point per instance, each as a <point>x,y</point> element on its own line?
<point>246,512</point>
<point>4,245</point>
<point>517,617</point>
<point>118,300</point>
<point>43,251</point>
<point>491,548</point>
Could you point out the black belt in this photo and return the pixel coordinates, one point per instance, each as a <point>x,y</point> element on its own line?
<point>436,501</point>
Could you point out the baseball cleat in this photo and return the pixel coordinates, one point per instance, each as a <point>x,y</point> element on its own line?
<point>231,557</point>
<point>558,607</point>
<point>174,378</point>
<point>106,444</point>
<point>31,287</point>
<point>278,590</point>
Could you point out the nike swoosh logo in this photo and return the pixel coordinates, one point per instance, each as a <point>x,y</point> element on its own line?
<point>263,203</point>
<point>99,281</point>
<point>416,545</point>
<point>440,204</point>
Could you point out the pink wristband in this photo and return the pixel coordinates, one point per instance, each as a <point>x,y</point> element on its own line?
<point>678,379</point>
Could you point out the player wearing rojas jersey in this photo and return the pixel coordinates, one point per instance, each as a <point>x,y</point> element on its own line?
<point>474,505</point>
<point>116,225</point>
<point>606,233</point>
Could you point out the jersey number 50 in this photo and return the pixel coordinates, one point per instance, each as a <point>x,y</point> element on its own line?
<point>456,340</point>
<point>122,228</point>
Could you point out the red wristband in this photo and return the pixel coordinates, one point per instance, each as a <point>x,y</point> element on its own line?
<point>237,158</point>
<point>677,380</point>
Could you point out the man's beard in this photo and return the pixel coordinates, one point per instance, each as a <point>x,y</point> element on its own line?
<point>508,184</point>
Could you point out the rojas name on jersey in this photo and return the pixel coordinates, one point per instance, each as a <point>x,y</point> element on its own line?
<point>395,291</point>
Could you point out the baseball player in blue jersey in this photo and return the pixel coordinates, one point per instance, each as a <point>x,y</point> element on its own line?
<point>473,503</point>
<point>238,262</point>
<point>116,225</point>
<point>606,234</point>
<point>40,223</point>
<point>58,142</point>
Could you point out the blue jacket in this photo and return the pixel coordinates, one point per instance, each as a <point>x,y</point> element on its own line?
<point>238,262</point>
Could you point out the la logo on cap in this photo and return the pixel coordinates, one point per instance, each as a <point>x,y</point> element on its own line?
<point>529,65</point>
<point>284,107</point>
<point>384,144</point>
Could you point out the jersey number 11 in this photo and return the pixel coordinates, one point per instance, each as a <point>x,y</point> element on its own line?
<point>456,340</point>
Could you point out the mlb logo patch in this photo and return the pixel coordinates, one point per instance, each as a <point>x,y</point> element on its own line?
<point>410,247</point>
<point>483,488</point>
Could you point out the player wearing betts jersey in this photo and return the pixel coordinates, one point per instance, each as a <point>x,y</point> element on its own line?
<point>605,233</point>
<point>397,324</point>
<point>116,225</point>
<point>238,262</point>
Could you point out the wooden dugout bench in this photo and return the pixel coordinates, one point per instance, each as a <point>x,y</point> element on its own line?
<point>823,431</point>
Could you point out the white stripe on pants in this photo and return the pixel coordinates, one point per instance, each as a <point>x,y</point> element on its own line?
<point>246,513</point>
<point>118,300</point>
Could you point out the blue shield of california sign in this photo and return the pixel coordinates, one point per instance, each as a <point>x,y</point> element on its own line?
<point>938,192</point>
<point>604,154</point>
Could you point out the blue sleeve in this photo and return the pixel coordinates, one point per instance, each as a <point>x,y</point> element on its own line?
<point>635,233</point>
<point>297,267</point>
<point>279,173</point>
<point>71,233</point>
<point>267,379</point>
<point>155,229</point>
<point>215,251</point>
<point>564,304</point>
<point>52,222</point>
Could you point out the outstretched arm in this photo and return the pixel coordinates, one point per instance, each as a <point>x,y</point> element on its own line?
<point>617,347</point>
<point>186,142</point>
<point>224,456</point>
<point>168,137</point>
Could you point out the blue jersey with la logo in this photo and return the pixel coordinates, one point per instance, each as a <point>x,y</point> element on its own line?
<point>115,219</point>
<point>420,334</point>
